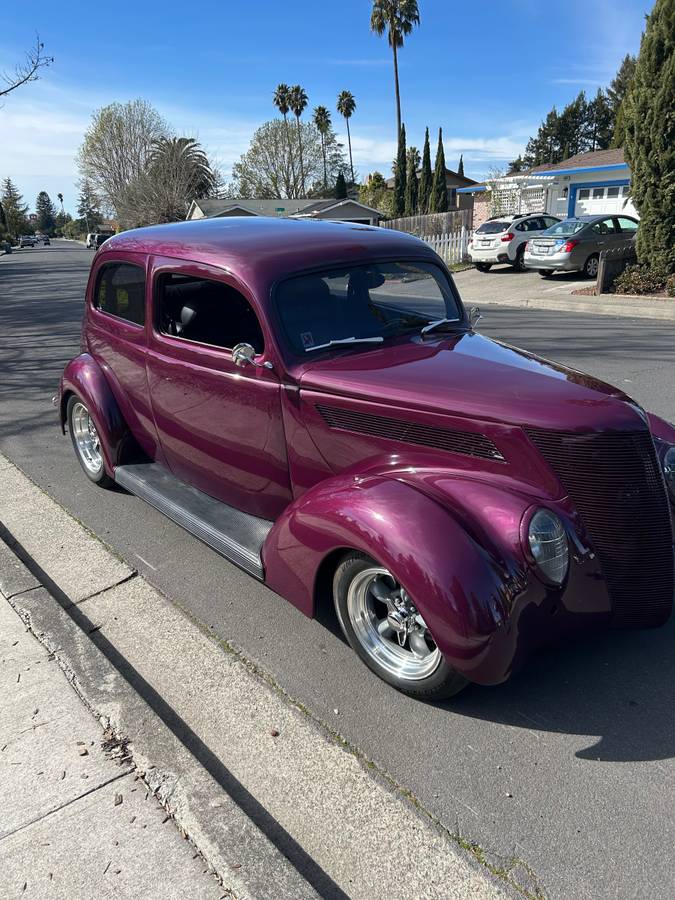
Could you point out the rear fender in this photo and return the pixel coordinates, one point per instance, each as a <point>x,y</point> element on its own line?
<point>461,590</point>
<point>84,377</point>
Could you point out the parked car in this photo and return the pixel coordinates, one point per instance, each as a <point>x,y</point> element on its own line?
<point>46,241</point>
<point>311,400</point>
<point>100,239</point>
<point>27,240</point>
<point>89,243</point>
<point>502,239</point>
<point>574,245</point>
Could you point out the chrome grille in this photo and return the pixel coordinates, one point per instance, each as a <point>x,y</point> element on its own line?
<point>615,482</point>
<point>465,442</point>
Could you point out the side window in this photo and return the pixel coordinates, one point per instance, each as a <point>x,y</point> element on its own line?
<point>606,226</point>
<point>120,292</point>
<point>209,312</point>
<point>627,225</point>
<point>522,226</point>
<point>550,222</point>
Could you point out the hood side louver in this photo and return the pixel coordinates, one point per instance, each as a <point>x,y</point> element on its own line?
<point>465,442</point>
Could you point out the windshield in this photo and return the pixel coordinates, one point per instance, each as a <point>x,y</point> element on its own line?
<point>493,227</point>
<point>351,303</point>
<point>565,229</point>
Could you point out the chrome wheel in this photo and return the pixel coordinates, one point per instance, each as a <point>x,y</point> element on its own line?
<point>592,267</point>
<point>389,627</point>
<point>86,439</point>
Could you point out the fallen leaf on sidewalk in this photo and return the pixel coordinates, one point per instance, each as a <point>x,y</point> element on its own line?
<point>274,732</point>
<point>83,751</point>
<point>118,799</point>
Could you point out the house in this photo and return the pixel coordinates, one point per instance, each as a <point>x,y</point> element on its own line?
<point>347,210</point>
<point>585,184</point>
<point>454,182</point>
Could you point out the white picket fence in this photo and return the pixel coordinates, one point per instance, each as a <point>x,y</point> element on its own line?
<point>447,233</point>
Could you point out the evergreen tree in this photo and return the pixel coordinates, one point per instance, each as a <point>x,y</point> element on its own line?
<point>89,207</point>
<point>374,193</point>
<point>517,165</point>
<point>400,176</point>
<point>340,187</point>
<point>570,137</point>
<point>650,138</point>
<point>46,214</point>
<point>618,86</point>
<point>15,209</point>
<point>460,167</point>
<point>599,123</point>
<point>3,220</point>
<point>424,192</point>
<point>411,185</point>
<point>439,188</point>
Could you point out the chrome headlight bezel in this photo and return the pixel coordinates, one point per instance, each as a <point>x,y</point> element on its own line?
<point>669,471</point>
<point>551,563</point>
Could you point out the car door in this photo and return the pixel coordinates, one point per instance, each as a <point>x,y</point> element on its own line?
<point>605,234</point>
<point>220,426</point>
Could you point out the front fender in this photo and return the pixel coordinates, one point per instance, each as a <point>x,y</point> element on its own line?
<point>84,377</point>
<point>462,591</point>
<point>661,429</point>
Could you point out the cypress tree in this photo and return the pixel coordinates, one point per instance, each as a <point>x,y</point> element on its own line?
<point>400,176</point>
<point>460,167</point>
<point>650,138</point>
<point>411,186</point>
<point>439,189</point>
<point>340,187</point>
<point>424,197</point>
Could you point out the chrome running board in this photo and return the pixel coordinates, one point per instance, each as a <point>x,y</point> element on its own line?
<point>234,534</point>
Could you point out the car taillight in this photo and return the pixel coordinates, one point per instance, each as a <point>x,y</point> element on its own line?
<point>508,237</point>
<point>569,246</point>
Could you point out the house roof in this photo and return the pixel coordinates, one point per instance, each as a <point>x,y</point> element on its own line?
<point>591,160</point>
<point>213,207</point>
<point>323,206</point>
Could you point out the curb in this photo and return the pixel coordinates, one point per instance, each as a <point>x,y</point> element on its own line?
<point>619,305</point>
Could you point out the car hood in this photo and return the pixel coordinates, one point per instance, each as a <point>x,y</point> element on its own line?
<point>473,376</point>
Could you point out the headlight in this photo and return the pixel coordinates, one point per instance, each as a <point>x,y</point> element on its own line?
<point>669,471</point>
<point>548,544</point>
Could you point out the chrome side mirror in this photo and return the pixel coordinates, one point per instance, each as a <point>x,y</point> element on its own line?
<point>244,355</point>
<point>474,316</point>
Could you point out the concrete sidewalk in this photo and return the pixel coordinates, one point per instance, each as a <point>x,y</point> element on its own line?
<point>76,820</point>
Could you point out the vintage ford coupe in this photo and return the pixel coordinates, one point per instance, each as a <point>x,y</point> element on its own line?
<point>312,401</point>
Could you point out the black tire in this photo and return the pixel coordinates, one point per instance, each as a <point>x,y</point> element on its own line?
<point>441,683</point>
<point>98,475</point>
<point>591,266</point>
<point>519,262</point>
<point>483,267</point>
<point>546,273</point>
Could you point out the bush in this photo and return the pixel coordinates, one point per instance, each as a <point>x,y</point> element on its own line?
<point>640,279</point>
<point>670,286</point>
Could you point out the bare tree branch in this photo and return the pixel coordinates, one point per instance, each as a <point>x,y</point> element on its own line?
<point>28,70</point>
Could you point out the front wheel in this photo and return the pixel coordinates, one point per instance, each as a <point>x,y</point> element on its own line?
<point>591,267</point>
<point>483,267</point>
<point>86,441</point>
<point>383,626</point>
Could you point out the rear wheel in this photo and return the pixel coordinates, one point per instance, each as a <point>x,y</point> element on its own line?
<point>591,266</point>
<point>86,441</point>
<point>386,630</point>
<point>519,262</point>
<point>546,273</point>
<point>483,267</point>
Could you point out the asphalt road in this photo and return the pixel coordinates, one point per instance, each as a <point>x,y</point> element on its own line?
<point>569,765</point>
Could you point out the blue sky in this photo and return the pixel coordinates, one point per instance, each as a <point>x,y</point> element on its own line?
<point>486,71</point>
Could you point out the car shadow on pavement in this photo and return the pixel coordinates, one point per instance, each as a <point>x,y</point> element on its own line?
<point>617,686</point>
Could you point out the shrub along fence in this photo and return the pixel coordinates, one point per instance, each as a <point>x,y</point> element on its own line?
<point>447,233</point>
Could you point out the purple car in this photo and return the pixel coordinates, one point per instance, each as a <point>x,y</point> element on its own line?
<point>311,400</point>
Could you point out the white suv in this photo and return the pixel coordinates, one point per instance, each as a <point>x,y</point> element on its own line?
<point>502,239</point>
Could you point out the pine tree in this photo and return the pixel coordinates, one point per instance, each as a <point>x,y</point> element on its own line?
<point>400,176</point>
<point>15,209</point>
<point>599,123</point>
<point>650,138</point>
<point>411,185</point>
<point>424,192</point>
<point>439,188</point>
<point>340,187</point>
<point>46,214</point>
<point>89,207</point>
<point>460,167</point>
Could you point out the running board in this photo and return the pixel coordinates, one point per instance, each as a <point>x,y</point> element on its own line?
<point>233,534</point>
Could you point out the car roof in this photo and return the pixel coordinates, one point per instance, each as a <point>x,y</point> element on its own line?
<point>263,248</point>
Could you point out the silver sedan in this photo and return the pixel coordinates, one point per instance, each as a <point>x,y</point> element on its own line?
<point>574,245</point>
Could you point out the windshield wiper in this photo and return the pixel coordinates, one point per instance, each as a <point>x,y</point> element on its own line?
<point>349,340</point>
<point>430,326</point>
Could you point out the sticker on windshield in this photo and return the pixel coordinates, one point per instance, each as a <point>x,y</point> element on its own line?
<point>307,339</point>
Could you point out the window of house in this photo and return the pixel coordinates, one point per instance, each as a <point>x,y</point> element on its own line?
<point>598,193</point>
<point>584,194</point>
<point>205,311</point>
<point>612,192</point>
<point>120,292</point>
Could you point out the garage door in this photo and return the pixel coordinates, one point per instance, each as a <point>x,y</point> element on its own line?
<point>593,201</point>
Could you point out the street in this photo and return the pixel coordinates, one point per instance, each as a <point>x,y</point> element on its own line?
<point>568,766</point>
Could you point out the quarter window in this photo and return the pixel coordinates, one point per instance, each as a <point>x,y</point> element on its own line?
<point>206,311</point>
<point>120,292</point>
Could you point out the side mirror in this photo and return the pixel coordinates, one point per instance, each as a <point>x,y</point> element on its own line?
<point>474,316</point>
<point>244,355</point>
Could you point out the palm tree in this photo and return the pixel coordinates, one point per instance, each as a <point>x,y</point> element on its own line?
<point>322,121</point>
<point>397,18</point>
<point>346,104</point>
<point>298,100</point>
<point>60,196</point>
<point>280,100</point>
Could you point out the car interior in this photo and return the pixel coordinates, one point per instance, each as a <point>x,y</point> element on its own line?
<point>210,312</point>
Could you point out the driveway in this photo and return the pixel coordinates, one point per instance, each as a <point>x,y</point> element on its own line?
<point>504,283</point>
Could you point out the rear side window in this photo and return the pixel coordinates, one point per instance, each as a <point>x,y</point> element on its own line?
<point>627,224</point>
<point>120,292</point>
<point>493,227</point>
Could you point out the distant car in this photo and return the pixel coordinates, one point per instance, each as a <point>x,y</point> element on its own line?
<point>574,245</point>
<point>100,239</point>
<point>46,241</point>
<point>502,239</point>
<point>89,243</point>
<point>27,240</point>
